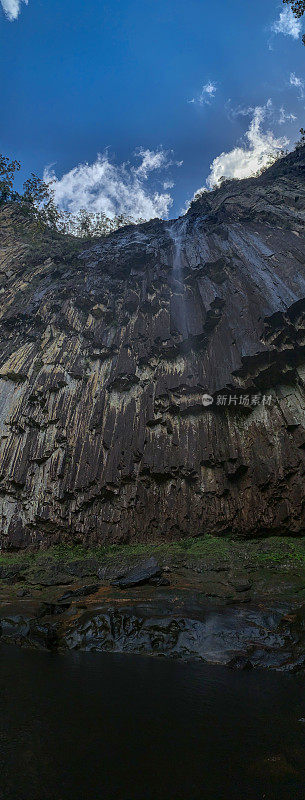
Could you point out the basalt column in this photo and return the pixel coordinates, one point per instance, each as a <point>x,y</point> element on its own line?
<point>152,383</point>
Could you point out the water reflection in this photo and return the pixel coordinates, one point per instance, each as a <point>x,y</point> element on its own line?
<point>82,726</point>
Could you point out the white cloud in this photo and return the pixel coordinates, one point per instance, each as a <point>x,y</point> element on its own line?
<point>284,116</point>
<point>287,24</point>
<point>207,94</point>
<point>237,111</point>
<point>234,112</point>
<point>244,161</point>
<point>297,82</point>
<point>279,116</point>
<point>151,160</point>
<point>12,8</point>
<point>113,189</point>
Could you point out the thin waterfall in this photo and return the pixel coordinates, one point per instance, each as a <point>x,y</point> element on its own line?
<point>177,234</point>
<point>176,231</point>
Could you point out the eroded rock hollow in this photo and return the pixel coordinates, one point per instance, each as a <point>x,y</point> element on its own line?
<point>152,383</point>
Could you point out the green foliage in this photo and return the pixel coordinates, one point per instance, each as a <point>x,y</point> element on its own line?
<point>7,176</point>
<point>35,190</point>
<point>257,553</point>
<point>301,141</point>
<point>283,551</point>
<point>37,199</point>
<point>297,8</point>
<point>272,158</point>
<point>88,224</point>
<point>208,546</point>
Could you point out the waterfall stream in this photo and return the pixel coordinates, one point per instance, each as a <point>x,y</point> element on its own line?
<point>177,234</point>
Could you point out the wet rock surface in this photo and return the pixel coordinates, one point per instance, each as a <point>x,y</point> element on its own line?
<point>82,591</point>
<point>256,637</point>
<point>107,354</point>
<point>145,572</point>
<point>213,609</point>
<point>172,626</point>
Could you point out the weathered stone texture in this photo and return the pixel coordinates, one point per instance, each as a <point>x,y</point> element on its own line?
<point>106,355</point>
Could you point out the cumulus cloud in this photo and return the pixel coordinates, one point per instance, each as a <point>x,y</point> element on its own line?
<point>113,189</point>
<point>297,82</point>
<point>207,94</point>
<point>245,160</point>
<point>287,24</point>
<point>12,8</point>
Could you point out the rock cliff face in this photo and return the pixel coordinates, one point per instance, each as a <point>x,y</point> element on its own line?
<point>111,356</point>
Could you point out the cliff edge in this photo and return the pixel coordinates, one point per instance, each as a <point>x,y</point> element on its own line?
<point>152,382</point>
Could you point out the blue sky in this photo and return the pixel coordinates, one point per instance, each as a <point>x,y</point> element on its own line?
<point>148,84</point>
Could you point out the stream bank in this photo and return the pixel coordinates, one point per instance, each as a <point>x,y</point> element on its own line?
<point>240,604</point>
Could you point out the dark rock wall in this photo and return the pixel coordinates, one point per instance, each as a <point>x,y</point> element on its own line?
<point>106,356</point>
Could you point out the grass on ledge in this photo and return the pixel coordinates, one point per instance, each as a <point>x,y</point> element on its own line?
<point>263,552</point>
<point>200,546</point>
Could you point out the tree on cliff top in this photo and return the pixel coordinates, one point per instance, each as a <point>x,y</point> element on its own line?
<point>37,198</point>
<point>7,176</point>
<point>298,9</point>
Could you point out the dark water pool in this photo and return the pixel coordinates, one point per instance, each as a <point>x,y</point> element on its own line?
<point>94,726</point>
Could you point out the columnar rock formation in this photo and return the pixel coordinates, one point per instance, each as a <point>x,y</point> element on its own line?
<point>108,353</point>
